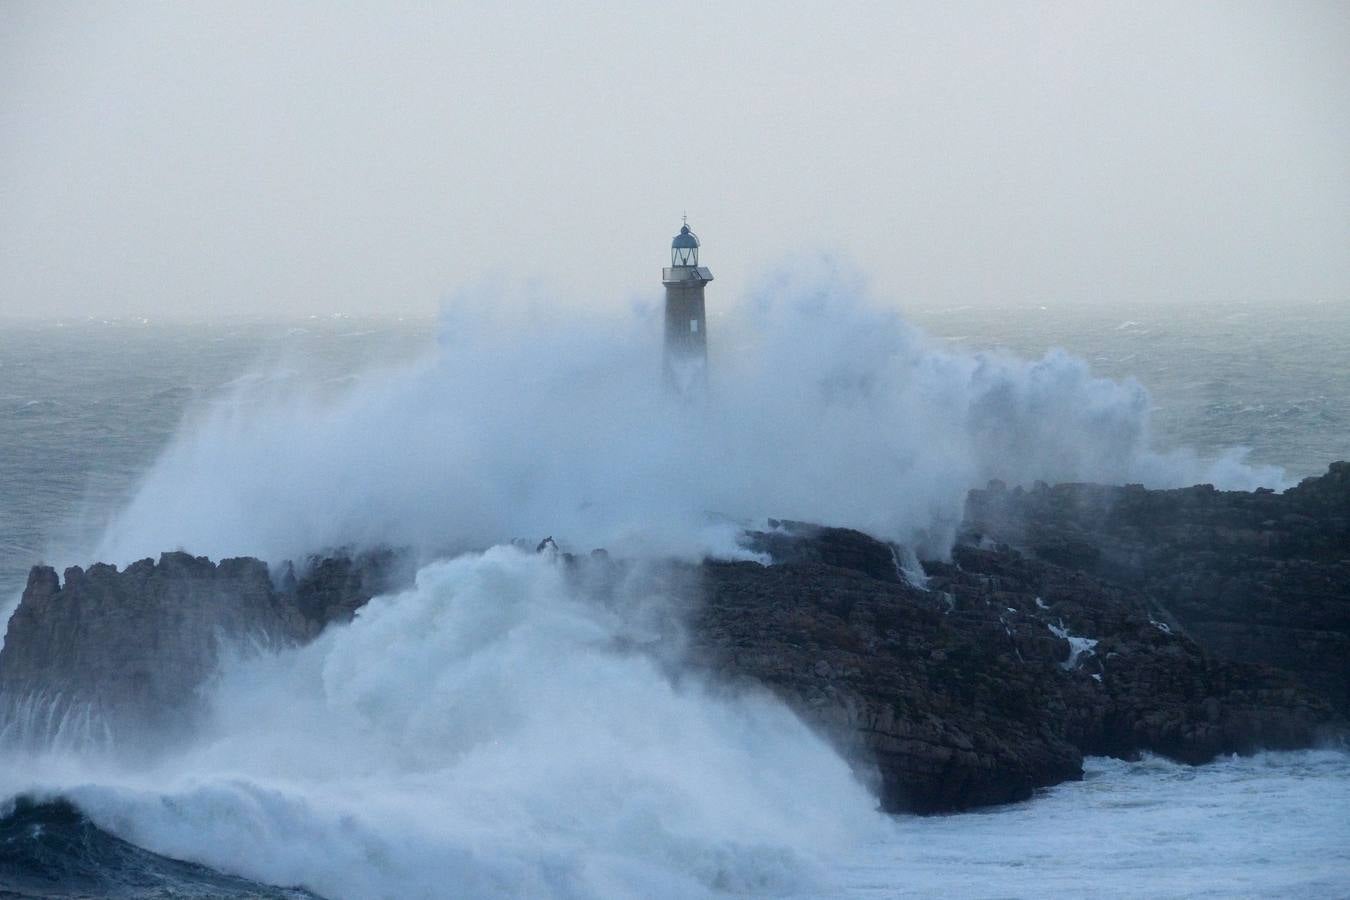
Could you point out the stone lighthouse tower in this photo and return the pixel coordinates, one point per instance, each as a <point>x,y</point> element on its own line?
<point>686,352</point>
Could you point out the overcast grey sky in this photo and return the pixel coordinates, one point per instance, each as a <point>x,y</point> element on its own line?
<point>294,158</point>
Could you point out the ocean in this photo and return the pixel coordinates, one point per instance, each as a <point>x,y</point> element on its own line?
<point>117,435</point>
<point>87,405</point>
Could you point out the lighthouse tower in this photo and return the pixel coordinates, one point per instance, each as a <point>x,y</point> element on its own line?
<point>686,353</point>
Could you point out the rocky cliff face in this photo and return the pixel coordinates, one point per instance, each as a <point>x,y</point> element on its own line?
<point>1253,577</point>
<point>106,656</point>
<point>995,680</point>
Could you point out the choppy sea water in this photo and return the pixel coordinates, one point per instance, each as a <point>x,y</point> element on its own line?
<point>85,407</point>
<point>1272,825</point>
<point>1269,826</point>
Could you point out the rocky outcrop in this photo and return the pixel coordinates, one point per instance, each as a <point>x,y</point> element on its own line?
<point>794,543</point>
<point>994,681</point>
<point>1068,621</point>
<point>104,656</point>
<point>1254,577</point>
<point>332,588</point>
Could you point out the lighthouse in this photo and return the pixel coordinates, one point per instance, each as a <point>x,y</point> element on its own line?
<point>685,363</point>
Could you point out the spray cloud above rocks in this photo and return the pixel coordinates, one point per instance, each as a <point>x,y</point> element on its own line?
<point>533,417</point>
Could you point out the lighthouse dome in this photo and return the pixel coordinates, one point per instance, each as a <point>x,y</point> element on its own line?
<point>684,240</point>
<point>684,248</point>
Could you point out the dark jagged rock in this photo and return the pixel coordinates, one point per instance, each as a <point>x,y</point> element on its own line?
<point>878,668</point>
<point>333,588</point>
<point>844,548</point>
<point>1254,577</point>
<point>970,692</point>
<point>119,657</point>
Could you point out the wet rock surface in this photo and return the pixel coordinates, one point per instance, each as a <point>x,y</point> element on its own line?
<point>101,656</point>
<point>994,680</point>
<point>1254,577</point>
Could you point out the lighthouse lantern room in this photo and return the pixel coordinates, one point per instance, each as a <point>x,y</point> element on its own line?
<point>686,346</point>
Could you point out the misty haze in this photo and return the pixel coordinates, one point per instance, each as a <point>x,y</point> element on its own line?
<point>673,450</point>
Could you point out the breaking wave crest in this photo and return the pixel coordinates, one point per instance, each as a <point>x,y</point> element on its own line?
<point>490,732</point>
<point>532,418</point>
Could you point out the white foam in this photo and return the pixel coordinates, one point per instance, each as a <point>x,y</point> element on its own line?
<point>486,734</point>
<point>908,567</point>
<point>1078,646</point>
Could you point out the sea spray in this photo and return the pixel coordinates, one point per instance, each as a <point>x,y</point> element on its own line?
<point>536,418</point>
<point>494,731</point>
<point>491,731</point>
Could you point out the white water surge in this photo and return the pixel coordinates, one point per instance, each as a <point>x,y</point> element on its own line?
<point>486,734</point>
<point>490,733</point>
